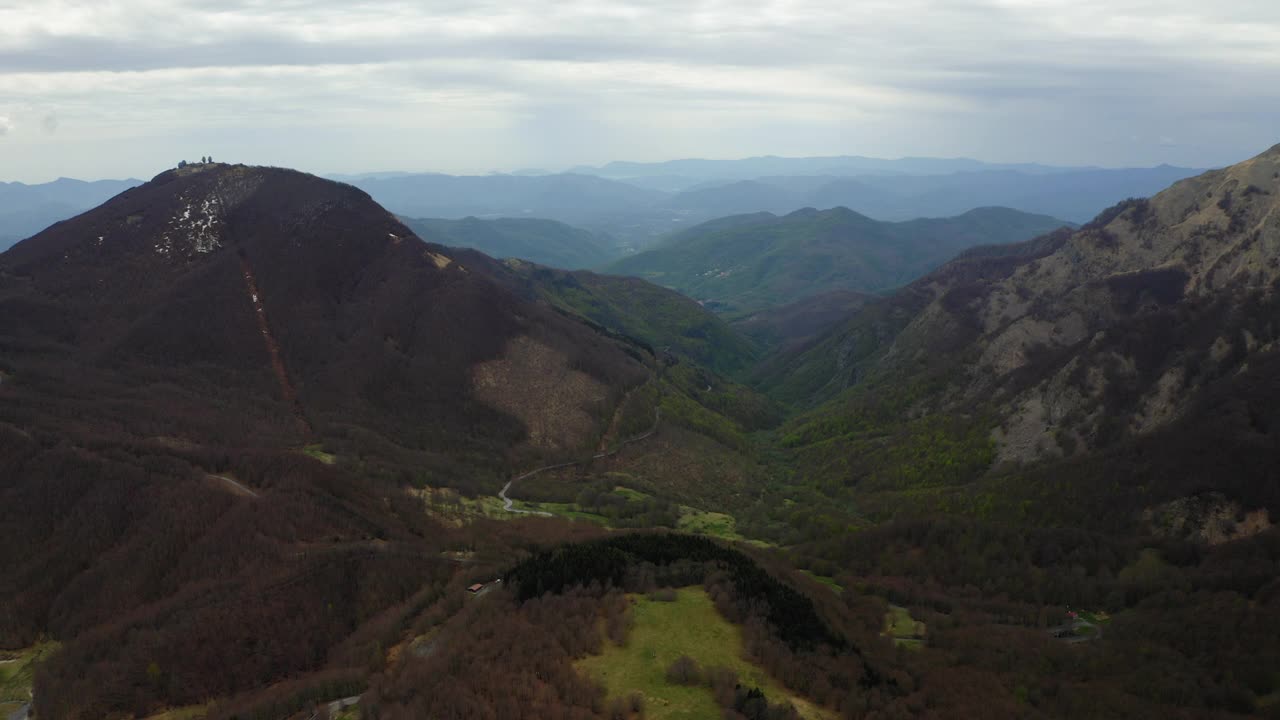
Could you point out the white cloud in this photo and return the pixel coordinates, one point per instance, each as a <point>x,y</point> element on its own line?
<point>450,85</point>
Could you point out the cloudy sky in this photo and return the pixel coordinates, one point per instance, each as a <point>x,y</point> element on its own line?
<point>128,87</point>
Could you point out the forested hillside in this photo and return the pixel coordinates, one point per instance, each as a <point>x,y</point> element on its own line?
<point>756,262</point>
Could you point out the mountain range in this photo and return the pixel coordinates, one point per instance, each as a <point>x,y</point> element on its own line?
<point>640,210</point>
<point>264,448</point>
<point>28,209</point>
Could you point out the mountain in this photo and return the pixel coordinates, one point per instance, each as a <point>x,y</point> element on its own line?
<point>756,262</point>
<point>221,393</point>
<point>546,242</point>
<point>1089,376</point>
<point>665,319</point>
<point>28,209</point>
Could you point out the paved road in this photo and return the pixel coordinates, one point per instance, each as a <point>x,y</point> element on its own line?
<point>21,713</point>
<point>506,501</point>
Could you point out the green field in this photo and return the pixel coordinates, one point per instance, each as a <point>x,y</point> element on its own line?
<point>16,672</point>
<point>904,629</point>
<point>664,631</point>
<point>317,451</point>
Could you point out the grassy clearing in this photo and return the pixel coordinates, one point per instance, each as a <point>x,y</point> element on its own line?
<point>664,631</point>
<point>703,522</point>
<point>317,451</point>
<point>18,669</point>
<point>904,629</point>
<point>829,582</point>
<point>455,509</point>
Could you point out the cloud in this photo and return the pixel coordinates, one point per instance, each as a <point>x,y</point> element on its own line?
<point>1053,80</point>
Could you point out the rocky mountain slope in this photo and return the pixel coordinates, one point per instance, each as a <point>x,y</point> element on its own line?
<point>1147,324</point>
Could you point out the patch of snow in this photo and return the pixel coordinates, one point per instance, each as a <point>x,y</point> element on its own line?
<point>197,229</point>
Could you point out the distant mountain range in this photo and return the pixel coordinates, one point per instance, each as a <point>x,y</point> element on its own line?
<point>747,263</point>
<point>636,204</point>
<point>823,165</point>
<point>639,203</point>
<point>27,209</point>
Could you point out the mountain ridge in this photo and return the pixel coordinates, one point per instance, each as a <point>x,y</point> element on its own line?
<point>748,263</point>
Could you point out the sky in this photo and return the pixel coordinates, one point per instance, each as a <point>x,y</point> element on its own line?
<point>118,88</point>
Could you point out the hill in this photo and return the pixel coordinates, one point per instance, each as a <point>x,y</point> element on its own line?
<point>758,262</point>
<point>664,319</point>
<point>545,242</point>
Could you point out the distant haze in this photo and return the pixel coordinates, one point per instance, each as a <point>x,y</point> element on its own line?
<point>127,88</point>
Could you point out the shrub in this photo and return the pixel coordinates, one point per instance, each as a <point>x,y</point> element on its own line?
<point>684,671</point>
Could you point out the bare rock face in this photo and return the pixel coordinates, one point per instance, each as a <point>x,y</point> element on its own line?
<point>1121,320</point>
<point>1209,518</point>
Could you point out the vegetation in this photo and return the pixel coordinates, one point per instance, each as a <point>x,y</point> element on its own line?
<point>688,632</point>
<point>747,267</point>
<point>545,242</point>
<point>666,320</point>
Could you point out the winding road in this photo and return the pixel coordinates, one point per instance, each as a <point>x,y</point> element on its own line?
<point>507,502</point>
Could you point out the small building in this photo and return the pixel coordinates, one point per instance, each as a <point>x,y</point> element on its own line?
<point>475,588</point>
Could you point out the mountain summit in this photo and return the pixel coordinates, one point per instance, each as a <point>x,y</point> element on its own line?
<point>311,300</point>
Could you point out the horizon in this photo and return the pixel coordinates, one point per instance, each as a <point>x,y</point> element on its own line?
<point>146,176</point>
<point>112,90</point>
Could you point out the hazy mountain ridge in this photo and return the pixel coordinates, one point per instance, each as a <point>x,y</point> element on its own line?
<point>28,209</point>
<point>641,212</point>
<point>750,263</point>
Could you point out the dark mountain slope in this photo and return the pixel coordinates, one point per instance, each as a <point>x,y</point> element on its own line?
<point>758,263</point>
<point>369,326</point>
<point>800,321</point>
<point>166,358</point>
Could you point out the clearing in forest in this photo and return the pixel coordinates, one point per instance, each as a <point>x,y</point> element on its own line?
<point>663,631</point>
<point>904,629</point>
